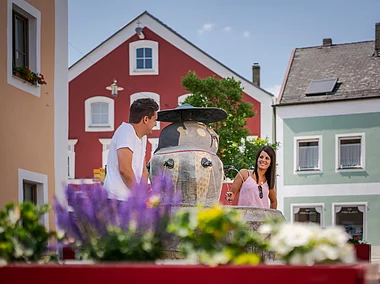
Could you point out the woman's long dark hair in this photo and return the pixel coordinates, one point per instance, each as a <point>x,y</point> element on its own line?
<point>270,173</point>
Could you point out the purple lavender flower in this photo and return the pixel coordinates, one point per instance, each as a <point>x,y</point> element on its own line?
<point>109,229</point>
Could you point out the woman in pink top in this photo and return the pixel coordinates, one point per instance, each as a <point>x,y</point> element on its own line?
<point>255,187</point>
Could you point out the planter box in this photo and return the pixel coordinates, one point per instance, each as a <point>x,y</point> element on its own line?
<point>363,252</point>
<point>188,274</point>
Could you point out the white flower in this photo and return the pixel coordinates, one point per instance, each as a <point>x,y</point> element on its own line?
<point>329,252</point>
<point>2,230</point>
<point>296,235</point>
<point>347,254</point>
<point>14,215</point>
<point>2,262</point>
<point>321,244</point>
<point>265,229</point>
<point>334,235</point>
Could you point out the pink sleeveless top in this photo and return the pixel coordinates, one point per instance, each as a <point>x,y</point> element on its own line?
<point>249,193</point>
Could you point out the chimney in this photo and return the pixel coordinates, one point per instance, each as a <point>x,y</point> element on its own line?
<point>327,42</point>
<point>256,74</point>
<point>377,39</point>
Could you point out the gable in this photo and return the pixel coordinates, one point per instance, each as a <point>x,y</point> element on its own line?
<point>174,39</point>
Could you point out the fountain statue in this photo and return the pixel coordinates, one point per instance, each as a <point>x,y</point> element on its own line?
<point>186,153</point>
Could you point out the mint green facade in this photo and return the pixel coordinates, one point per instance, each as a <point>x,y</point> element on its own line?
<point>328,127</point>
<point>373,210</point>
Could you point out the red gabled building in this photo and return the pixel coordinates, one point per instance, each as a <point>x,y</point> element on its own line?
<point>147,63</point>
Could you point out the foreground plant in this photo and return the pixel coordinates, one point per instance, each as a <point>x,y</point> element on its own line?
<point>22,237</point>
<point>215,235</point>
<point>111,230</point>
<point>307,244</point>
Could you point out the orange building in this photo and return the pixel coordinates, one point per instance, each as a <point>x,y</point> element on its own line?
<point>33,121</point>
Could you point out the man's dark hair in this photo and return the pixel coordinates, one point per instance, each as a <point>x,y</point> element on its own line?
<point>141,108</point>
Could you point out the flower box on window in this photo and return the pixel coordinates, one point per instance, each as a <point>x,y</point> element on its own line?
<point>26,74</point>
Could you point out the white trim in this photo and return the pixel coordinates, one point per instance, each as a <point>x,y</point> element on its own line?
<point>42,188</point>
<point>280,161</point>
<point>71,157</point>
<point>307,205</point>
<point>34,24</point>
<point>365,220</point>
<point>111,114</point>
<point>298,139</point>
<point>182,98</point>
<point>132,57</point>
<point>329,109</point>
<point>143,95</point>
<point>81,181</point>
<point>325,190</point>
<point>105,150</point>
<point>265,99</point>
<point>154,143</point>
<point>337,152</point>
<point>61,95</point>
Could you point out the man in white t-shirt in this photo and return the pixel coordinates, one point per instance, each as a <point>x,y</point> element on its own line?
<point>126,165</point>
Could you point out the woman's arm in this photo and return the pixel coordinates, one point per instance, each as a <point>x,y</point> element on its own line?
<point>236,185</point>
<point>273,199</point>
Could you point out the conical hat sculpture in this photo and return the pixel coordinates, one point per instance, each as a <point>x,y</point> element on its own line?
<point>187,153</point>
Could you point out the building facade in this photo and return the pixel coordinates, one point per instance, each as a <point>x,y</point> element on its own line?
<point>328,125</point>
<point>34,115</point>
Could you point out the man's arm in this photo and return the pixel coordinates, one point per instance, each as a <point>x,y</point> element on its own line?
<point>124,157</point>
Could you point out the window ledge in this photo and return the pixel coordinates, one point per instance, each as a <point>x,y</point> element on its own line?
<point>308,172</point>
<point>144,72</point>
<point>353,169</point>
<point>93,128</point>
<point>24,85</point>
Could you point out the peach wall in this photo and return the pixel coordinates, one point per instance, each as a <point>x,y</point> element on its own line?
<point>27,121</point>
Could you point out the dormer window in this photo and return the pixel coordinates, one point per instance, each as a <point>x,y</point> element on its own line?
<point>143,57</point>
<point>321,87</point>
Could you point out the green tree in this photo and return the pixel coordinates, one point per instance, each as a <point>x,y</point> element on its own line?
<point>227,94</point>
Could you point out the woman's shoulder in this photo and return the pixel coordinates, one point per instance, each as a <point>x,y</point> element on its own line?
<point>244,173</point>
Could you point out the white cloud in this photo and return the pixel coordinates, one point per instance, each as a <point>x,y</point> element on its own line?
<point>227,29</point>
<point>275,90</point>
<point>246,34</point>
<point>206,28</point>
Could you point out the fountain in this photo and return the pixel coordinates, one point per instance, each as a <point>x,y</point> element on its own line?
<point>187,153</point>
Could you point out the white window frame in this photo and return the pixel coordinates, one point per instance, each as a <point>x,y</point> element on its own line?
<point>182,98</point>
<point>133,46</point>
<point>337,152</point>
<point>111,114</point>
<point>308,205</point>
<point>34,30</point>
<point>365,220</point>
<point>154,144</point>
<point>71,157</point>
<point>298,139</point>
<point>143,95</point>
<point>41,180</point>
<point>106,142</point>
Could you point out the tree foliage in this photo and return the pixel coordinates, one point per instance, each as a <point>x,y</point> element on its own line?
<point>227,94</point>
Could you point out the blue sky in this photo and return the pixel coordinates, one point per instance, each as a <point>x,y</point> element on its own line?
<point>237,33</point>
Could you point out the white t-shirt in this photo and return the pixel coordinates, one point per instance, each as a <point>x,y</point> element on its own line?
<point>124,137</point>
